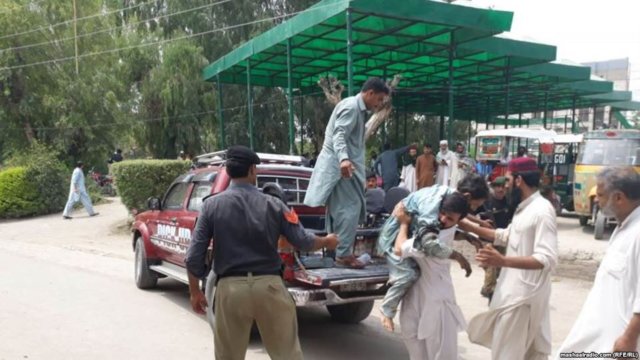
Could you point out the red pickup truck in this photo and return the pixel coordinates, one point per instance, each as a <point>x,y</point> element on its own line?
<point>161,236</point>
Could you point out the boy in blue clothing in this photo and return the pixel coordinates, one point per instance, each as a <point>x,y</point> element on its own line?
<point>430,208</point>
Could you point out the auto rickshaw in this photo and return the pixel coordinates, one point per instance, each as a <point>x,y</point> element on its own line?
<point>558,163</point>
<point>496,147</point>
<point>601,148</point>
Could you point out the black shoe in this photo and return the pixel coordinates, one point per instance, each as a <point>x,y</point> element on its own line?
<point>95,214</point>
<point>64,217</point>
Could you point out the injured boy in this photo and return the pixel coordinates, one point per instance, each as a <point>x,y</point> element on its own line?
<point>432,209</point>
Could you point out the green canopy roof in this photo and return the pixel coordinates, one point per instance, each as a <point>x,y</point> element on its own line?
<point>454,60</point>
<point>411,37</point>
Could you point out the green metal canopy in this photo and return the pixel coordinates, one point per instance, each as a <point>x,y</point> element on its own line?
<point>403,38</point>
<point>454,61</point>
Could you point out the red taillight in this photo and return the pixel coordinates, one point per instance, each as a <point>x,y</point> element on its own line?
<point>287,255</point>
<point>611,134</point>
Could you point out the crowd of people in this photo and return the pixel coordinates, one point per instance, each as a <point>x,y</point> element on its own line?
<point>511,225</point>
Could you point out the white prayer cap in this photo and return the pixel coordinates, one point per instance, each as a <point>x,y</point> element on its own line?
<point>444,142</point>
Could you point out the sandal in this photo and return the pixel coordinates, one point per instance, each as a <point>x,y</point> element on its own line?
<point>349,262</point>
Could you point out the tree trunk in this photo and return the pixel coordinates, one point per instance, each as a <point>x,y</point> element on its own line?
<point>28,131</point>
<point>333,90</point>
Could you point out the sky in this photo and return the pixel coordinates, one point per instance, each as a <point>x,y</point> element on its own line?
<point>583,31</point>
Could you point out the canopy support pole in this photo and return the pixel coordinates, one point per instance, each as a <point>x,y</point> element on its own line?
<point>519,124</point>
<point>527,142</point>
<point>250,103</point>
<point>507,94</point>
<point>452,49</point>
<point>441,127</point>
<point>469,135</point>
<point>573,116</point>
<point>488,112</point>
<point>301,123</point>
<point>220,112</point>
<point>566,117</point>
<point>546,104</point>
<point>595,112</point>
<point>292,138</point>
<point>349,52</point>
<point>404,138</point>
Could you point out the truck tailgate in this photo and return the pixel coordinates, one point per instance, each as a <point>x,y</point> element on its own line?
<point>334,276</point>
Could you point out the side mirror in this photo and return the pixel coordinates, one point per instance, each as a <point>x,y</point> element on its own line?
<point>153,203</point>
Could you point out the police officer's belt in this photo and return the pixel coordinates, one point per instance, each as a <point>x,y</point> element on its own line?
<point>249,273</point>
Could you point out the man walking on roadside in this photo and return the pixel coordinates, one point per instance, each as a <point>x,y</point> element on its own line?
<point>78,192</point>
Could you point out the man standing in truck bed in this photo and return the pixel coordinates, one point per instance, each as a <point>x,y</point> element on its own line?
<point>339,175</point>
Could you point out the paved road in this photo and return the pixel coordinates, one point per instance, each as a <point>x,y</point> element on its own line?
<point>68,293</point>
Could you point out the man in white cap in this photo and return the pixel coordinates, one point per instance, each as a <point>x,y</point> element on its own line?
<point>446,161</point>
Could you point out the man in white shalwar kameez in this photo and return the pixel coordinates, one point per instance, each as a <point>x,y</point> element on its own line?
<point>517,324</point>
<point>78,193</point>
<point>610,317</point>
<point>408,173</point>
<point>430,318</point>
<point>465,165</point>
<point>446,162</point>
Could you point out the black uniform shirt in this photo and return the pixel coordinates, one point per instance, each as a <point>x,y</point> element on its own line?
<point>245,225</point>
<point>500,210</point>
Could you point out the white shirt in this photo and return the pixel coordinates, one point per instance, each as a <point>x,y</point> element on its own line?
<point>444,172</point>
<point>532,232</point>
<point>614,297</point>
<point>432,299</point>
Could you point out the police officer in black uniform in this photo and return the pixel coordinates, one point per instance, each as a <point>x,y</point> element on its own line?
<point>245,225</point>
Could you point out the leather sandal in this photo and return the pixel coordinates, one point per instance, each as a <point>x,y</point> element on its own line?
<point>349,262</point>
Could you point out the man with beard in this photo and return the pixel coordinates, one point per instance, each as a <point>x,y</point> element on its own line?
<point>446,161</point>
<point>408,174</point>
<point>426,168</point>
<point>338,177</point>
<point>466,165</point>
<point>610,318</point>
<point>517,324</point>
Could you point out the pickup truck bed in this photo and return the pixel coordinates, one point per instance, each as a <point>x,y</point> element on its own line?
<point>333,276</point>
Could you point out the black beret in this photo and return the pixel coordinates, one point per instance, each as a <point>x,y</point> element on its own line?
<point>243,155</point>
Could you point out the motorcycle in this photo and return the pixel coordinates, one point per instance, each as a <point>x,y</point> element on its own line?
<point>104,182</point>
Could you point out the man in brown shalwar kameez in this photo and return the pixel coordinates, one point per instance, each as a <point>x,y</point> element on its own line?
<point>426,168</point>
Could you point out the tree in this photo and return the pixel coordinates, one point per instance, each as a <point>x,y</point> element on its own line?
<point>46,100</point>
<point>176,104</point>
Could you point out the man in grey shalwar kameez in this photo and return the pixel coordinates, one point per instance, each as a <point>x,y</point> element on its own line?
<point>338,178</point>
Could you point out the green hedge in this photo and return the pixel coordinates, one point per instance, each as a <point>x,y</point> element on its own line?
<point>51,183</point>
<point>44,178</point>
<point>17,195</point>
<point>138,180</point>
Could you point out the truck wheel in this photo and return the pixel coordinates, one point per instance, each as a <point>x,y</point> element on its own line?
<point>351,313</point>
<point>599,225</point>
<point>583,220</point>
<point>209,293</point>
<point>145,277</point>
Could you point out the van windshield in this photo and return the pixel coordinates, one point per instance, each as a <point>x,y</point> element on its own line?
<point>610,152</point>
